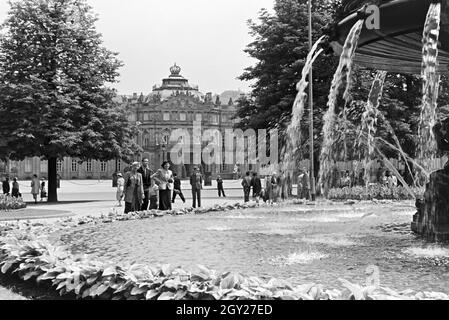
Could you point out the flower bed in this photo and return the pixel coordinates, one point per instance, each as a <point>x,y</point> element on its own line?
<point>29,255</point>
<point>374,192</point>
<point>11,203</point>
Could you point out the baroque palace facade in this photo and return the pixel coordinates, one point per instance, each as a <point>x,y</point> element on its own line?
<point>175,104</point>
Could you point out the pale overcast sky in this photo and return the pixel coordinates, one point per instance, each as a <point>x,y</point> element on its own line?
<point>205,38</point>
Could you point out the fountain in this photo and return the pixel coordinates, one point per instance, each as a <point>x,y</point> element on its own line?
<point>412,37</point>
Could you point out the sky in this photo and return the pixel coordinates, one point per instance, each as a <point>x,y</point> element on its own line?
<point>206,38</point>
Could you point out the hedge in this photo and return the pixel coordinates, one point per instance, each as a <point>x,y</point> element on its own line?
<point>10,203</point>
<point>25,252</point>
<point>374,192</point>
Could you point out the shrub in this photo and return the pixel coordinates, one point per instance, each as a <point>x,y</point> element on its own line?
<point>375,191</point>
<point>11,203</point>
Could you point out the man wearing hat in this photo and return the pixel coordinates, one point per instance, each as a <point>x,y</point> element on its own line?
<point>120,188</point>
<point>146,173</point>
<point>133,190</point>
<point>196,181</point>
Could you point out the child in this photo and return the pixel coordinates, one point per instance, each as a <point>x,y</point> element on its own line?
<point>43,190</point>
<point>153,195</point>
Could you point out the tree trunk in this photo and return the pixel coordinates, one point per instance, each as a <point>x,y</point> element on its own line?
<point>52,180</point>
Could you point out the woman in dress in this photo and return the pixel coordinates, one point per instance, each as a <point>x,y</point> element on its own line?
<point>274,191</point>
<point>164,179</point>
<point>43,190</point>
<point>35,186</point>
<point>133,189</point>
<point>120,189</point>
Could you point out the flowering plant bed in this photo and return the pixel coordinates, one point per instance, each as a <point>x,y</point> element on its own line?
<point>27,254</point>
<point>11,203</point>
<point>377,191</point>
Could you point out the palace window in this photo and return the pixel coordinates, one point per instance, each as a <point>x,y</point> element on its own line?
<point>146,116</point>
<point>59,166</point>
<point>74,165</point>
<point>214,118</point>
<point>89,165</point>
<point>44,165</point>
<point>146,141</point>
<point>182,116</point>
<point>28,165</point>
<point>198,117</point>
<point>103,166</point>
<point>166,116</point>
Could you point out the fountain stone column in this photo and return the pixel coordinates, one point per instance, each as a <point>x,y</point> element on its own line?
<point>431,221</point>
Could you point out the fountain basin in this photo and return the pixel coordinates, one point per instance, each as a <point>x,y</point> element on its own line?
<point>397,45</point>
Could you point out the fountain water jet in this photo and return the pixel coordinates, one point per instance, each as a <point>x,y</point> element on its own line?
<point>427,148</point>
<point>294,130</point>
<point>413,38</point>
<point>343,72</point>
<point>369,121</point>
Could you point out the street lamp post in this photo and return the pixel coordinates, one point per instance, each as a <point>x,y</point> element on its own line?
<point>312,169</point>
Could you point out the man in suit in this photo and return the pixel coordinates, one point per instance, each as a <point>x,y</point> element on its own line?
<point>177,189</point>
<point>257,187</point>
<point>196,181</point>
<point>220,187</point>
<point>146,173</point>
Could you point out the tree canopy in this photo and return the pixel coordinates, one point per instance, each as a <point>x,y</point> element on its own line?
<point>54,101</point>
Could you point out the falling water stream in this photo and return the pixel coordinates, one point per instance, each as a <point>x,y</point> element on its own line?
<point>343,73</point>
<point>369,121</point>
<point>427,144</point>
<point>294,130</point>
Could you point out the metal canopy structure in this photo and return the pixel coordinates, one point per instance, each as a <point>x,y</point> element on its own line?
<point>397,45</point>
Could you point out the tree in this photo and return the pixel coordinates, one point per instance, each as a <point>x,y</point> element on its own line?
<point>53,98</point>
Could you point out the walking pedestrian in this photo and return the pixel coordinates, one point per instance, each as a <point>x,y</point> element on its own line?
<point>6,187</point>
<point>120,188</point>
<point>146,173</point>
<point>300,186</point>
<point>220,187</point>
<point>246,184</point>
<point>177,189</point>
<point>305,185</point>
<point>282,186</point>
<point>257,187</point>
<point>154,192</point>
<point>35,186</point>
<point>133,189</point>
<point>274,188</point>
<point>43,190</point>
<point>346,181</point>
<point>196,181</point>
<point>289,185</point>
<point>164,180</point>
<point>15,189</point>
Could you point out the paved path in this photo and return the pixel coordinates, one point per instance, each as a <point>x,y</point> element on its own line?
<point>93,197</point>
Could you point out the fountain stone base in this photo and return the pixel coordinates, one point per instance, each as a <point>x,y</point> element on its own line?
<point>432,219</point>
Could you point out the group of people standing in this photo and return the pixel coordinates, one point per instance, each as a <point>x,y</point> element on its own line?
<point>277,186</point>
<point>142,189</point>
<point>37,188</point>
<point>14,191</point>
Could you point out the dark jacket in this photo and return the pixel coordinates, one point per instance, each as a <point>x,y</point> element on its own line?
<point>256,184</point>
<point>220,183</point>
<point>6,187</point>
<point>194,184</point>
<point>177,183</point>
<point>146,178</point>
